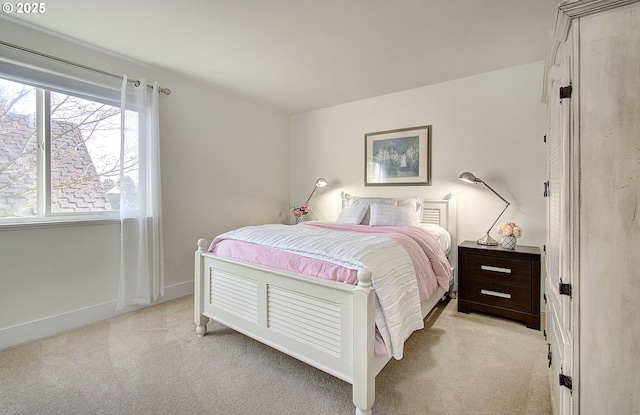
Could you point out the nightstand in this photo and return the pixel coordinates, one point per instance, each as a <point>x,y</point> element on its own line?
<point>498,281</point>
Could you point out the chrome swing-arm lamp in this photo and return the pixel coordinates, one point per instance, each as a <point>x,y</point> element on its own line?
<point>320,182</point>
<point>471,178</point>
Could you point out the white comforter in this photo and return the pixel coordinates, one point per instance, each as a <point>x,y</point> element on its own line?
<point>398,311</point>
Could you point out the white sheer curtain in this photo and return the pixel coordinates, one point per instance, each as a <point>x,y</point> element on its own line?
<point>141,263</point>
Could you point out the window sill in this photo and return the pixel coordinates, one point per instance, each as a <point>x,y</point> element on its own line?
<point>37,223</point>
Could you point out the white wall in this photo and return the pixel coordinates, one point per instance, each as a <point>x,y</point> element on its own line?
<point>217,152</point>
<point>491,124</point>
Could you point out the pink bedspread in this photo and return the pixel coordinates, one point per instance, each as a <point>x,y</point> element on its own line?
<point>430,263</point>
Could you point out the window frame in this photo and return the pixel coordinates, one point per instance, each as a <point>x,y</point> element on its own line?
<point>46,82</point>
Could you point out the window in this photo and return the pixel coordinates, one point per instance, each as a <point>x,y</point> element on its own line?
<point>59,154</point>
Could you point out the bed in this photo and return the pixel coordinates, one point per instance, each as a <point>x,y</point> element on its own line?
<point>331,325</point>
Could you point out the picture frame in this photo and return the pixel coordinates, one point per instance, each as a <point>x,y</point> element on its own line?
<point>399,157</point>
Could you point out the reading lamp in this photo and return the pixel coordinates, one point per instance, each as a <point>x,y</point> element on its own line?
<point>471,178</point>
<point>321,182</point>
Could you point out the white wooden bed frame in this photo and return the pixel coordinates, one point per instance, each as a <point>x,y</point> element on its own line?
<point>327,324</point>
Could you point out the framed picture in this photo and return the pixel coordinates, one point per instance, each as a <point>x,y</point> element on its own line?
<point>398,157</point>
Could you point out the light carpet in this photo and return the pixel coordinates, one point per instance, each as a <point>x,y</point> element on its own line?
<point>151,362</point>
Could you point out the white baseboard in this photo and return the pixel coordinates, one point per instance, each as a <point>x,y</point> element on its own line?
<point>48,326</point>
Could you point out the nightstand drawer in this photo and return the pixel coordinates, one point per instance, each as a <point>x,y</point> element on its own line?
<point>512,297</point>
<point>499,269</point>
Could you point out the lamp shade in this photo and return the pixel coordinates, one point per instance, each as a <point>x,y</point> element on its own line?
<point>321,182</point>
<point>469,177</point>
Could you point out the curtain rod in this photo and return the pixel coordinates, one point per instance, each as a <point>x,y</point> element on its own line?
<point>165,91</point>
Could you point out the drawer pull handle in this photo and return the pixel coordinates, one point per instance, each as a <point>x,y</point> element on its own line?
<point>495,294</point>
<point>496,269</point>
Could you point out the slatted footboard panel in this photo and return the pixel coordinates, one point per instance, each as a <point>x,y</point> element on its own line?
<point>234,294</point>
<point>308,318</point>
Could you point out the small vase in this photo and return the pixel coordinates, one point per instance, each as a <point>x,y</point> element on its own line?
<point>508,242</point>
<point>299,219</point>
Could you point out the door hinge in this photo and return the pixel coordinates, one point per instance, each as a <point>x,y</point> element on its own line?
<point>565,289</point>
<point>544,297</point>
<point>549,354</point>
<point>566,91</point>
<point>544,139</point>
<point>546,188</point>
<point>565,381</point>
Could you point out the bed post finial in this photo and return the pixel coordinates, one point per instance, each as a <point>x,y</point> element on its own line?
<point>202,245</point>
<point>364,278</point>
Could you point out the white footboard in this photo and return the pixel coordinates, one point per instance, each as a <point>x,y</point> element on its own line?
<point>327,324</point>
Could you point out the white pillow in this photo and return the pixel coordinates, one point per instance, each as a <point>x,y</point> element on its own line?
<point>357,200</point>
<point>353,214</point>
<point>390,215</point>
<point>417,204</point>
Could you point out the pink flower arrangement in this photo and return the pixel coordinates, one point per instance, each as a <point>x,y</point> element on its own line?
<point>300,211</point>
<point>510,229</point>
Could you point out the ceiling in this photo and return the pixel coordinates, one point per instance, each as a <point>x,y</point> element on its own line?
<point>300,55</point>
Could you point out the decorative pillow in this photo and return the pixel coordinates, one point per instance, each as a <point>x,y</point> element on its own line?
<point>390,215</point>
<point>353,214</point>
<point>415,202</point>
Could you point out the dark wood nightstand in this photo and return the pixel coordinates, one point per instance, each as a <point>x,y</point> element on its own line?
<point>503,282</point>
